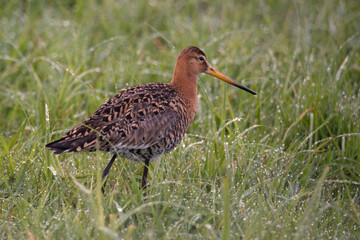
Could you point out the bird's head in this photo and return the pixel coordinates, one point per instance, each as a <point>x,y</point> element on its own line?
<point>194,61</point>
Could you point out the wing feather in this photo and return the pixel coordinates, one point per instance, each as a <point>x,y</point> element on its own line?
<point>135,118</point>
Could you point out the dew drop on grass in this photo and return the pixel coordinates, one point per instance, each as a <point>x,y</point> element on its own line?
<point>47,118</point>
<point>118,208</point>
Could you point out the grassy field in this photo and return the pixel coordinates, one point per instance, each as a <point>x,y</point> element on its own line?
<point>281,165</point>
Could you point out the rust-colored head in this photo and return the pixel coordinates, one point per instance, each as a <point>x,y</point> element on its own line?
<point>192,61</point>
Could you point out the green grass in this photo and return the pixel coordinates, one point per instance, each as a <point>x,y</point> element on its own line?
<point>282,165</point>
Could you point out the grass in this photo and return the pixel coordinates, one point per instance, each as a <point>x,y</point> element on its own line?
<point>282,165</point>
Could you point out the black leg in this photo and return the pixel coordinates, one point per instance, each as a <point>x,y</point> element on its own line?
<point>106,171</point>
<point>145,173</point>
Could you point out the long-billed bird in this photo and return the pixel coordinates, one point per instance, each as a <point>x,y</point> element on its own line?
<point>143,122</point>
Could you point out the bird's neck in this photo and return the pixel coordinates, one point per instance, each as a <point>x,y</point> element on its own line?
<point>186,84</point>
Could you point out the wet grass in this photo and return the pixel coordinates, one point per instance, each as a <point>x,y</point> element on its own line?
<point>282,165</point>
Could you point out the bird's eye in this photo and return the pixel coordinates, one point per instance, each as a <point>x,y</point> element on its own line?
<point>201,58</point>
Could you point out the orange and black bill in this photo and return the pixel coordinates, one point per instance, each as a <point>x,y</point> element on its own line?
<point>213,72</point>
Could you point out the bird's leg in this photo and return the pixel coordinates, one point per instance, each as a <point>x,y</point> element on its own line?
<point>145,173</point>
<point>106,172</point>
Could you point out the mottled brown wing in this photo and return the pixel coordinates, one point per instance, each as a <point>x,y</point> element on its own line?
<point>134,118</point>
<point>141,134</point>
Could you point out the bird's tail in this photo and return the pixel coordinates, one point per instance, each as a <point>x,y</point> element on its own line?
<point>69,145</point>
<point>60,146</point>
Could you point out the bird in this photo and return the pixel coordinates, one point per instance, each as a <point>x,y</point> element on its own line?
<point>143,122</point>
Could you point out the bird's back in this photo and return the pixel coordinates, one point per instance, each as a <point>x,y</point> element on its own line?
<point>139,122</point>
